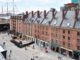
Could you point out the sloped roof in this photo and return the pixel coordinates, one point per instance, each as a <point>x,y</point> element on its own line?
<point>69,21</point>
<point>77,25</point>
<point>32,20</point>
<point>49,17</point>
<point>39,20</point>
<point>58,19</point>
<point>29,18</point>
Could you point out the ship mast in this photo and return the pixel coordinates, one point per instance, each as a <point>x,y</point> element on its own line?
<point>7,6</point>
<point>2,9</point>
<point>13,8</point>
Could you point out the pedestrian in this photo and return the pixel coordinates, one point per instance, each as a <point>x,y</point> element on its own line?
<point>32,58</point>
<point>33,47</point>
<point>25,48</point>
<point>8,33</point>
<point>4,44</point>
<point>10,53</point>
<point>59,58</point>
<point>46,50</point>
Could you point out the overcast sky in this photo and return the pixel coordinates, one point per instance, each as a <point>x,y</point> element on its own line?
<point>24,5</point>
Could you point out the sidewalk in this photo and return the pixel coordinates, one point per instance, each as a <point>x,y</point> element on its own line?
<point>22,54</point>
<point>55,54</point>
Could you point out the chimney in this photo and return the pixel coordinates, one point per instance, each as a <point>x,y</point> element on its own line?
<point>32,14</point>
<point>38,14</point>
<point>53,13</point>
<point>64,12</point>
<point>26,14</point>
<point>76,14</point>
<point>45,14</point>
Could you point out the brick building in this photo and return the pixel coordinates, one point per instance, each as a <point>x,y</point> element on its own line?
<point>60,31</point>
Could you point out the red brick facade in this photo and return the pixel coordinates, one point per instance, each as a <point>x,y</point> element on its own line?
<point>63,37</point>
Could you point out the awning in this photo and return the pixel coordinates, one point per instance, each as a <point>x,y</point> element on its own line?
<point>66,49</point>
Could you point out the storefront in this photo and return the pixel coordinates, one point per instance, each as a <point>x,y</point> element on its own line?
<point>42,43</point>
<point>54,46</point>
<point>65,51</point>
<point>76,55</point>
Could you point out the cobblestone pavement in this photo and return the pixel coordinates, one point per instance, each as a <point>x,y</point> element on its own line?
<point>22,54</point>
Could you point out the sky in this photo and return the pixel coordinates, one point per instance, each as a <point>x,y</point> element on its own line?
<point>29,5</point>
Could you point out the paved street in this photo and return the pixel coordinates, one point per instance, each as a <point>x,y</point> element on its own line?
<point>22,54</point>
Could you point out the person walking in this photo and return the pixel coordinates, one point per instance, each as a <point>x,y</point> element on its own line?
<point>4,45</point>
<point>59,58</point>
<point>10,54</point>
<point>25,48</point>
<point>33,47</point>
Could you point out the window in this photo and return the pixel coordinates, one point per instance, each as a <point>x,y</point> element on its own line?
<point>42,32</point>
<point>38,31</point>
<point>78,41</point>
<point>56,41</point>
<point>68,45</point>
<point>56,35</point>
<point>35,26</point>
<point>68,38</point>
<point>63,37</point>
<point>64,44</point>
<point>46,33</point>
<point>78,33</point>
<point>35,31</point>
<point>68,32</point>
<point>78,47</point>
<point>52,34</point>
<point>63,31</point>
<point>46,28</point>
